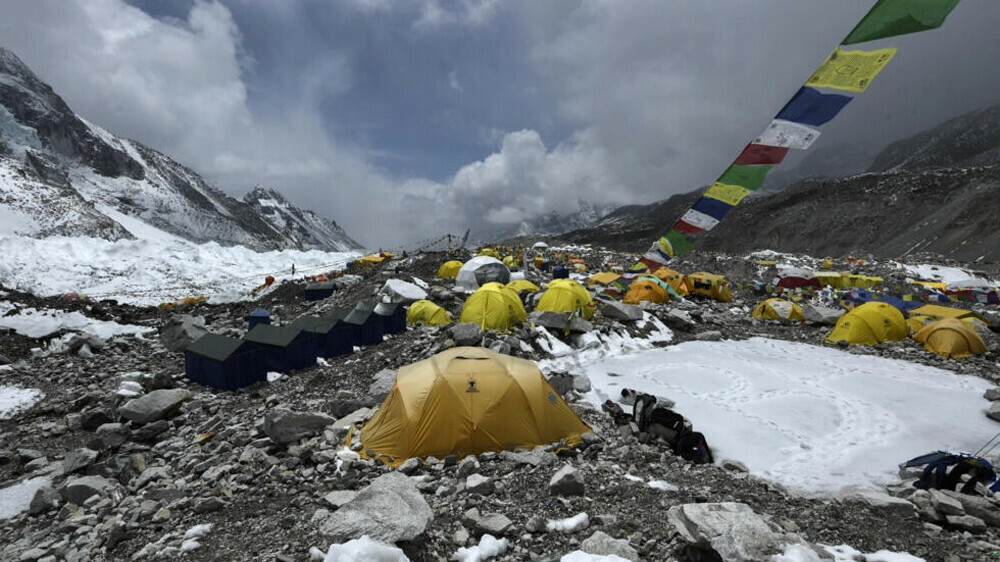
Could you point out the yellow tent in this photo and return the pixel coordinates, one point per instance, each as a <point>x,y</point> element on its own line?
<point>869,324</point>
<point>427,312</point>
<point>938,285</point>
<point>449,269</point>
<point>489,252</point>
<point>950,337</point>
<point>373,259</point>
<point>468,401</point>
<point>519,285</point>
<point>510,261</point>
<point>854,281</point>
<point>640,291</point>
<point>566,295</point>
<point>914,322</point>
<point>831,278</point>
<point>676,279</point>
<point>709,285</point>
<point>603,278</point>
<point>778,309</point>
<point>493,307</point>
<point>827,264</point>
<point>939,312</point>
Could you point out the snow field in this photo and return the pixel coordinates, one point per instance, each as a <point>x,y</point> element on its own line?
<point>812,418</point>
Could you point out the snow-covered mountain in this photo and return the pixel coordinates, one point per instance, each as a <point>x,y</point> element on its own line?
<point>312,231</point>
<point>556,223</point>
<point>61,175</point>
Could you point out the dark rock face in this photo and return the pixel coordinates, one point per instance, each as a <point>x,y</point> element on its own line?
<point>309,230</point>
<point>34,104</point>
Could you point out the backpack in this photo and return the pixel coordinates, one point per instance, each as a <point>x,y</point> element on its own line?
<point>692,446</point>
<point>944,471</point>
<point>642,410</point>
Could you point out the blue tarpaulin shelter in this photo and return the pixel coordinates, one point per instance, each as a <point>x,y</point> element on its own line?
<point>224,363</point>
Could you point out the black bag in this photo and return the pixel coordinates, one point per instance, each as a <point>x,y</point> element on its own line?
<point>692,446</point>
<point>642,410</point>
<point>616,413</point>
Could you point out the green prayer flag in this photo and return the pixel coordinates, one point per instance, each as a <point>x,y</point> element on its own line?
<point>899,17</point>
<point>678,242</point>
<point>747,177</point>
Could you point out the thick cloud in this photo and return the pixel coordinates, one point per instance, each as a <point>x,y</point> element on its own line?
<point>405,120</point>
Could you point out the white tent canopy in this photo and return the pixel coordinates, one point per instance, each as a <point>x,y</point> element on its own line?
<point>466,277</point>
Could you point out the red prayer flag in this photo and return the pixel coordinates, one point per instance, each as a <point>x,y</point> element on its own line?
<point>755,154</point>
<point>686,227</point>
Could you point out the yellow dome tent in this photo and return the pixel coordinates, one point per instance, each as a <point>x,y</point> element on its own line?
<point>489,252</point>
<point>566,295</point>
<point>778,309</point>
<point>449,269</point>
<point>869,324</point>
<point>519,285</point>
<point>602,278</point>
<point>950,337</point>
<point>493,307</point>
<point>427,312</point>
<point>827,264</point>
<point>939,312</point>
<point>676,280</point>
<point>709,285</point>
<point>640,291</point>
<point>468,401</point>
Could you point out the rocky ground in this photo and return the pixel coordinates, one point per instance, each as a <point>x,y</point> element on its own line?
<point>135,479</point>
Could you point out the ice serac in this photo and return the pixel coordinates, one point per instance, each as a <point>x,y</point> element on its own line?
<point>61,175</point>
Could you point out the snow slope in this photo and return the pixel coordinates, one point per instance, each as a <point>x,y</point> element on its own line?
<point>149,272</point>
<point>809,417</point>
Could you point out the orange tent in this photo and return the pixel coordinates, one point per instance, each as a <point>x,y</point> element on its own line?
<point>640,291</point>
<point>674,278</point>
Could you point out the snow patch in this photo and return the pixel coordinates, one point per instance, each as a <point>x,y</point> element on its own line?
<point>14,399</point>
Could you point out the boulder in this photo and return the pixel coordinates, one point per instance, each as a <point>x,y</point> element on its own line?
<point>466,333</point>
<point>156,405</point>
<point>977,506</point>
<point>339,498</point>
<point>878,501</point>
<point>620,311</point>
<point>180,330</point>
<point>284,426</point>
<point>732,530</point>
<point>678,320</point>
<point>603,544</point>
<point>389,509</point>
<point>567,481</point>
<point>401,292</point>
<point>79,489</point>
<point>495,524</point>
<point>821,314</point>
<point>111,435</point>
<point>992,394</point>
<point>709,335</point>
<point>966,523</point>
<point>45,498</point>
<point>382,384</point>
<point>479,484</point>
<point>945,504</point>
<point>535,457</point>
<point>78,459</point>
<point>994,412</point>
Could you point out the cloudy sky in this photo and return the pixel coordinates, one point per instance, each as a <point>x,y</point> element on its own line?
<point>407,119</point>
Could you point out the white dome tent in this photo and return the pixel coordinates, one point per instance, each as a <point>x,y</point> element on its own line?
<point>480,270</point>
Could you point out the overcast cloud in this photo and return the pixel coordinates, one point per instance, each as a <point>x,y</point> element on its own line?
<point>403,120</point>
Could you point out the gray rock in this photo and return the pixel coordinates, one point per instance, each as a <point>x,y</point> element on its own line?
<point>284,426</point>
<point>390,509</point>
<point>111,435</point>
<point>468,466</point>
<point>208,505</point>
<point>92,419</point>
<point>179,331</point>
<point>945,504</point>
<point>620,311</point>
<point>466,333</point>
<point>535,457</point>
<point>986,509</point>
<point>45,498</point>
<point>479,484</point>
<point>602,544</point>
<point>339,498</point>
<point>561,382</point>
<point>156,405</point>
<point>678,320</point>
<point>151,474</point>
<point>994,412</point>
<point>77,459</point>
<point>709,335</point>
<point>878,501</point>
<point>821,314</point>
<point>338,429</point>
<point>967,523</point>
<point>732,530</point>
<point>409,466</point>
<point>734,466</point>
<point>495,524</point>
<point>382,384</point>
<point>567,481</point>
<point>992,394</point>
<point>581,384</point>
<point>79,489</point>
<point>150,431</point>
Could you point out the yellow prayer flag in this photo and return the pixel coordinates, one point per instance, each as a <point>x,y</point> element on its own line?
<point>851,70</point>
<point>731,194</point>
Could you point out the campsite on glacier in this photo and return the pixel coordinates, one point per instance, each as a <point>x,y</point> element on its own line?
<point>429,281</point>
